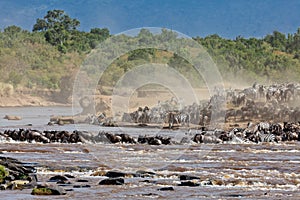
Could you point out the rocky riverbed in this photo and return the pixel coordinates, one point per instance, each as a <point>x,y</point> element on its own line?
<point>225,170</point>
<point>137,171</point>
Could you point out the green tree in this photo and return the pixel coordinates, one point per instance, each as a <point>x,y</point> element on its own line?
<point>145,36</point>
<point>12,30</point>
<point>277,40</point>
<point>97,35</point>
<point>293,45</point>
<point>57,26</point>
<point>102,32</point>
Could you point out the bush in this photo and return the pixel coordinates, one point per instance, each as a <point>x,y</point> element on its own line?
<point>15,78</point>
<point>6,90</point>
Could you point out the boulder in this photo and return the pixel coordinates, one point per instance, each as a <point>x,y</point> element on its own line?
<point>14,185</point>
<point>166,189</point>
<point>81,186</point>
<point>16,175</point>
<point>189,183</point>
<point>12,117</point>
<point>58,178</point>
<point>48,190</point>
<point>69,176</point>
<point>187,177</point>
<point>144,174</point>
<point>114,174</point>
<point>112,181</point>
<point>82,181</point>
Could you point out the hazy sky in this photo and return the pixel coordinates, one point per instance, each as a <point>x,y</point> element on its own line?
<point>227,18</point>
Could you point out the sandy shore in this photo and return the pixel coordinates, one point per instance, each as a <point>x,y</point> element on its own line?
<point>18,100</point>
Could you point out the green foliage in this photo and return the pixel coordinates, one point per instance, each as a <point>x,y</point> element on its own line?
<point>30,61</point>
<point>96,36</point>
<point>277,40</point>
<point>49,56</point>
<point>141,54</point>
<point>3,172</point>
<point>15,78</point>
<point>60,30</point>
<point>267,59</point>
<point>57,26</point>
<point>12,31</point>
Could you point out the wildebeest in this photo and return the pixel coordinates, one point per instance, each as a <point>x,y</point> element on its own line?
<point>178,118</point>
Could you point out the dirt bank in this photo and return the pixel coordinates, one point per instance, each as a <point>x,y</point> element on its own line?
<point>17,100</point>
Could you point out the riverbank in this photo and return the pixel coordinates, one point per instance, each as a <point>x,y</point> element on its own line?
<point>19,100</point>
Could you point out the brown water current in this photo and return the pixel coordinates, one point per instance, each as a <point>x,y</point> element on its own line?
<point>234,171</point>
<point>246,171</point>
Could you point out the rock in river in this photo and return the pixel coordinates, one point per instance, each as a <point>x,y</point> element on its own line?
<point>112,181</point>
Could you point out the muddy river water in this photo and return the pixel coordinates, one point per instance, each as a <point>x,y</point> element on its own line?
<point>234,171</point>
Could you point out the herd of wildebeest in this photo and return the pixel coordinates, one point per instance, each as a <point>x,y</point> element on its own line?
<point>276,103</point>
<point>253,133</point>
<point>271,112</point>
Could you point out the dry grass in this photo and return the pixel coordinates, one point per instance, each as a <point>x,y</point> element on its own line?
<point>6,90</point>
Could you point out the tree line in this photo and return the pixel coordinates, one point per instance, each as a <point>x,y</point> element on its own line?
<point>51,53</point>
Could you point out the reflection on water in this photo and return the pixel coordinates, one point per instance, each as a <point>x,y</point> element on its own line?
<point>248,171</point>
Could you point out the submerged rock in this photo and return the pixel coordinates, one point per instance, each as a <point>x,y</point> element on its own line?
<point>112,181</point>
<point>82,181</point>
<point>69,176</point>
<point>81,186</point>
<point>114,174</point>
<point>58,178</point>
<point>187,177</point>
<point>189,183</point>
<point>144,174</point>
<point>166,189</point>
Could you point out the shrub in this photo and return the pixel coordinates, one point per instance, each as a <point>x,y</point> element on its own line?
<point>6,89</point>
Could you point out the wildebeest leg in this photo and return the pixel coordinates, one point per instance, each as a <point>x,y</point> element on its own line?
<point>171,120</point>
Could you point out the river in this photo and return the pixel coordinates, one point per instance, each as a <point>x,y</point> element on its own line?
<point>238,171</point>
